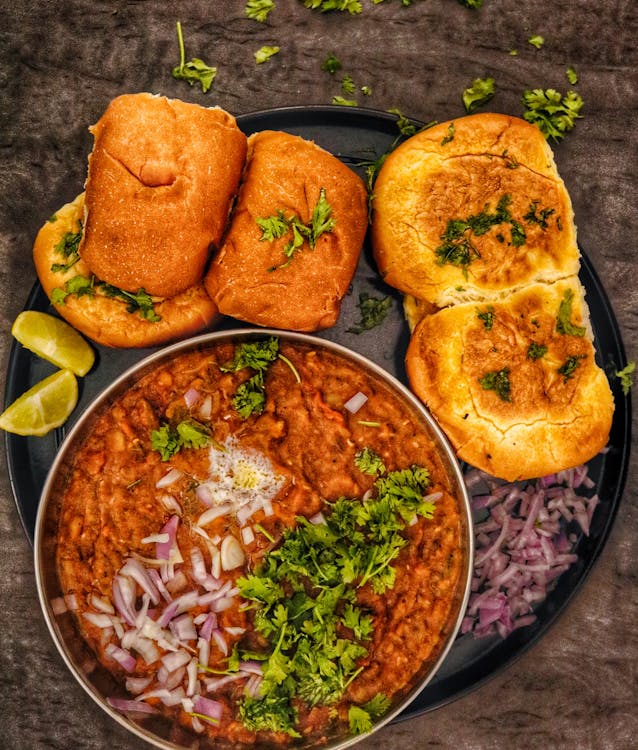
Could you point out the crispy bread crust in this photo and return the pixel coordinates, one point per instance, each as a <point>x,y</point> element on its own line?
<point>162,177</point>
<point>552,421</point>
<point>286,172</point>
<point>104,319</point>
<point>457,170</point>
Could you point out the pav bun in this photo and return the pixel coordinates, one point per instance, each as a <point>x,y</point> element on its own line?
<point>471,209</point>
<point>517,397</point>
<point>106,319</point>
<point>161,180</point>
<point>251,278</point>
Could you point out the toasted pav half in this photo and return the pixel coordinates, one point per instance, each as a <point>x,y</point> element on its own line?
<point>471,209</point>
<point>514,383</point>
<point>271,271</point>
<point>105,314</point>
<point>162,178</point>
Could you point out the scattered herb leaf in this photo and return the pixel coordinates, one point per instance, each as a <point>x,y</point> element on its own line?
<point>553,113</point>
<point>498,381</point>
<point>569,366</point>
<point>265,53</point>
<point>369,462</point>
<point>536,41</point>
<point>487,316</point>
<point>536,351</point>
<point>258,10</point>
<point>626,377</point>
<point>479,93</point>
<point>373,312</point>
<point>169,440</point>
<point>331,64</point>
<point>563,321</point>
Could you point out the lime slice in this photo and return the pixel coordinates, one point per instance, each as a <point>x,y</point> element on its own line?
<point>54,340</point>
<point>43,407</point>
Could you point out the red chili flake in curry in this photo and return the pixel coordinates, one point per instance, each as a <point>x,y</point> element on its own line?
<point>161,546</point>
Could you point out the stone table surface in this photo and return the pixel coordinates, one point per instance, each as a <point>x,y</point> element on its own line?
<point>61,63</point>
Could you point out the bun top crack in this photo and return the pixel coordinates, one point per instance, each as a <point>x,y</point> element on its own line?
<point>161,181</point>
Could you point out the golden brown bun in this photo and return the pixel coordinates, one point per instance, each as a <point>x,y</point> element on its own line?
<point>551,421</point>
<point>162,177</point>
<point>104,319</point>
<point>286,172</point>
<point>457,170</point>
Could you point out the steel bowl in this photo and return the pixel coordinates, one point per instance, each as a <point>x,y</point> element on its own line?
<point>80,660</point>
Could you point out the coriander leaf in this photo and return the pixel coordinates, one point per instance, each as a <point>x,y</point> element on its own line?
<point>472,3</point>
<point>569,366</point>
<point>187,434</point>
<point>258,355</point>
<point>536,41</point>
<point>351,6</point>
<point>343,102</point>
<point>487,316</point>
<point>553,113</point>
<point>449,136</point>
<point>258,10</point>
<point>563,321</point>
<point>331,64</point>
<point>272,227</point>
<point>271,713</point>
<point>626,377</point>
<point>369,462</point>
<point>572,76</point>
<point>68,248</point>
<point>498,381</point>
<point>347,85</point>
<point>540,218</point>
<point>250,397</point>
<point>77,285</point>
<point>536,351</point>
<point>265,53</point>
<point>378,705</point>
<point>321,220</point>
<point>359,720</point>
<point>139,301</point>
<point>479,93</point>
<point>195,70</point>
<point>373,312</point>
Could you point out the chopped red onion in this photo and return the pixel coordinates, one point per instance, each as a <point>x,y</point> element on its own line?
<point>354,403</point>
<point>124,658</point>
<point>136,685</point>
<point>521,545</point>
<point>164,549</point>
<point>58,605</point>
<point>232,554</point>
<point>99,620</point>
<point>135,570</point>
<point>124,598</point>
<point>183,628</point>
<point>169,478</point>
<point>131,706</point>
<point>208,516</point>
<point>220,641</point>
<point>207,707</point>
<point>175,659</point>
<point>191,396</point>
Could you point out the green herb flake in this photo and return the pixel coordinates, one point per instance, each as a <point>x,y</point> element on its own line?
<point>536,351</point>
<point>479,93</point>
<point>68,248</point>
<point>449,136</point>
<point>563,321</point>
<point>369,462</point>
<point>343,102</point>
<point>265,53</point>
<point>536,41</point>
<point>626,377</point>
<point>168,440</point>
<point>498,381</point>
<point>331,64</point>
<point>536,216</point>
<point>250,396</point>
<point>373,312</point>
<point>569,366</point>
<point>195,70</point>
<point>325,6</point>
<point>258,10</point>
<point>553,113</point>
<point>347,85</point>
<point>487,316</point>
<point>571,75</point>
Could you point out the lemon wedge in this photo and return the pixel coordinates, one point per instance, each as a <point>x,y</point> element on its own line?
<point>43,407</point>
<point>54,340</point>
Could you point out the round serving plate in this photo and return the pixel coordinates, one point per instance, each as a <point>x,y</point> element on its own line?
<point>359,137</point>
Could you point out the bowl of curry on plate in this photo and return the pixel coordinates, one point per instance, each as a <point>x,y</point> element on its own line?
<point>254,538</point>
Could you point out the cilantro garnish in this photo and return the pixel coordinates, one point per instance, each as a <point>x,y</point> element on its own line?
<point>351,6</point>
<point>250,396</point>
<point>498,381</point>
<point>572,75</point>
<point>276,226</point>
<point>258,10</point>
<point>68,248</point>
<point>265,53</point>
<point>361,718</point>
<point>459,250</point>
<point>305,600</point>
<point>369,462</point>
<point>331,64</point>
<point>563,321</point>
<point>169,440</point>
<point>553,113</point>
<point>195,70</point>
<point>536,41</point>
<point>540,218</point>
<point>479,93</point>
<point>487,316</point>
<point>80,286</point>
<point>626,377</point>
<point>449,136</point>
<point>569,366</point>
<point>373,312</point>
<point>536,351</point>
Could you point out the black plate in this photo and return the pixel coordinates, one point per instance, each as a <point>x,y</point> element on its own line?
<point>357,136</point>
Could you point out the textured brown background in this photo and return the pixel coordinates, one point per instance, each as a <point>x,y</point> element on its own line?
<point>60,63</point>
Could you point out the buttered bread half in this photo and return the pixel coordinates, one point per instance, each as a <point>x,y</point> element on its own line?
<point>472,221</point>
<point>514,383</point>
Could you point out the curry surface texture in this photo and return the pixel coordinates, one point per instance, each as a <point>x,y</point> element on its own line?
<point>195,522</point>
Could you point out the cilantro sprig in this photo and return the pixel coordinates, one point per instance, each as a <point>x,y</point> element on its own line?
<point>195,70</point>
<point>168,440</point>
<point>373,311</point>
<point>250,396</point>
<point>552,112</point>
<point>276,226</point>
<point>304,596</point>
<point>68,247</point>
<point>564,324</point>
